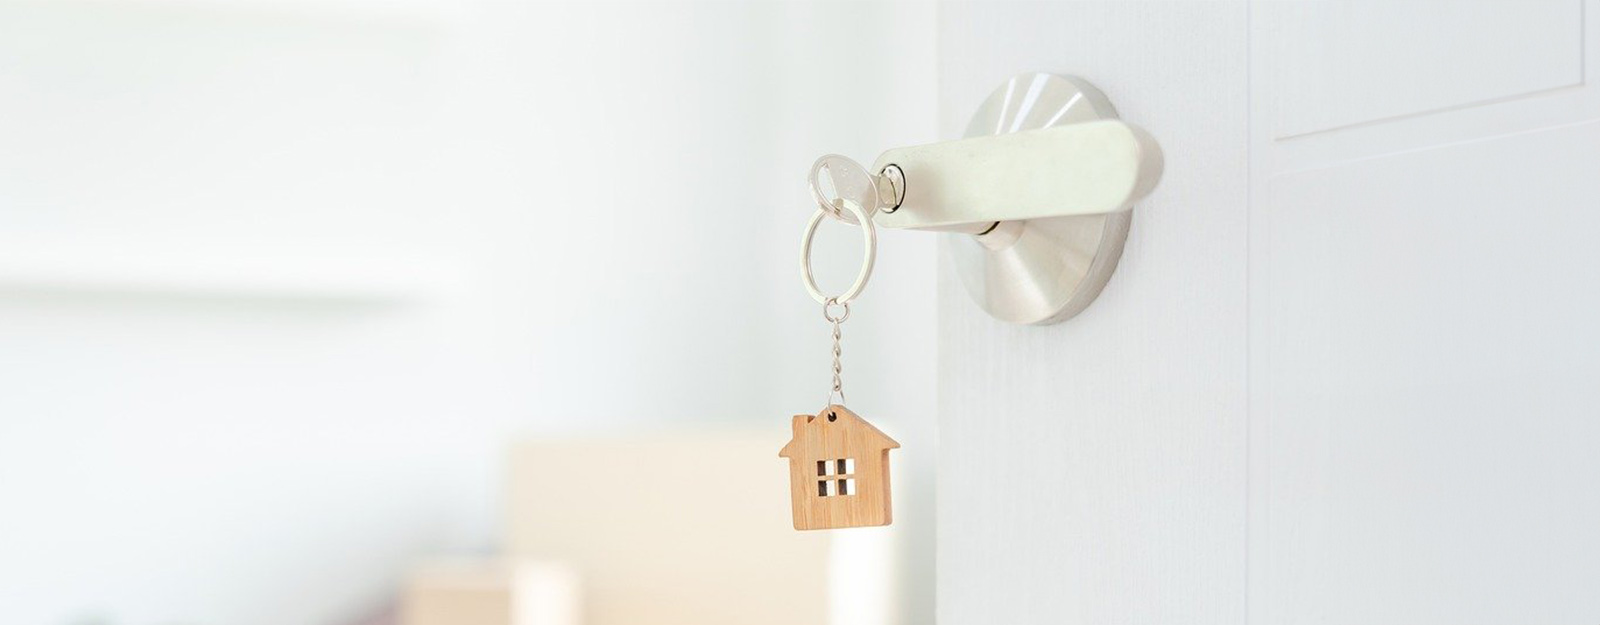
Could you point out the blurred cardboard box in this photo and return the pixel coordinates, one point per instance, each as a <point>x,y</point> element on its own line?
<point>680,529</point>
<point>491,592</point>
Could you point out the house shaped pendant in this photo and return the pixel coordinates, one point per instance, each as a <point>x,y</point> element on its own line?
<point>838,471</point>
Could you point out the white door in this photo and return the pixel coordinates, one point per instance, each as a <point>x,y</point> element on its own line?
<point>1349,368</point>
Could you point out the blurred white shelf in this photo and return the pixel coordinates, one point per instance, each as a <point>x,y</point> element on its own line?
<point>435,12</point>
<point>178,270</point>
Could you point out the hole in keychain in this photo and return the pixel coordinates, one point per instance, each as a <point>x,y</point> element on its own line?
<point>827,311</point>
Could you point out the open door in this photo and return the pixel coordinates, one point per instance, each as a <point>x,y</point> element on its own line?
<point>1346,370</point>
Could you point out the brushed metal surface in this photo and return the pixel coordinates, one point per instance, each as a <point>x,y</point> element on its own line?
<point>1045,270</point>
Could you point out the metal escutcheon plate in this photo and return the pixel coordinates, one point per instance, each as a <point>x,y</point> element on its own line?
<point>1039,271</point>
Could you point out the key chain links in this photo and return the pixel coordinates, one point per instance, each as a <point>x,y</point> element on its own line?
<point>838,367</point>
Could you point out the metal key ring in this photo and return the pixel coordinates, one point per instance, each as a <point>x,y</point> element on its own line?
<point>869,237</point>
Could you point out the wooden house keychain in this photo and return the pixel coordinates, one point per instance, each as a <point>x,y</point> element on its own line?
<point>838,462</point>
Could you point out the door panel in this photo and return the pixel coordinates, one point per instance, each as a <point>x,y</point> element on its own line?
<point>1342,63</point>
<point>1424,447</point>
<point>1428,362</point>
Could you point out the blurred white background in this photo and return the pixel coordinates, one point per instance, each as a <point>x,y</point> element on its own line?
<point>279,281</point>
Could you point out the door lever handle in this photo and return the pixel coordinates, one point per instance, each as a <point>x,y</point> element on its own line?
<point>1035,201</point>
<point>968,185</point>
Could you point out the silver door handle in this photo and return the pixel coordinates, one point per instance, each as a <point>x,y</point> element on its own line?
<point>1035,202</point>
<point>968,185</point>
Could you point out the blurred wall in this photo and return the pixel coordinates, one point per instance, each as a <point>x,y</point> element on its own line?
<point>279,280</point>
